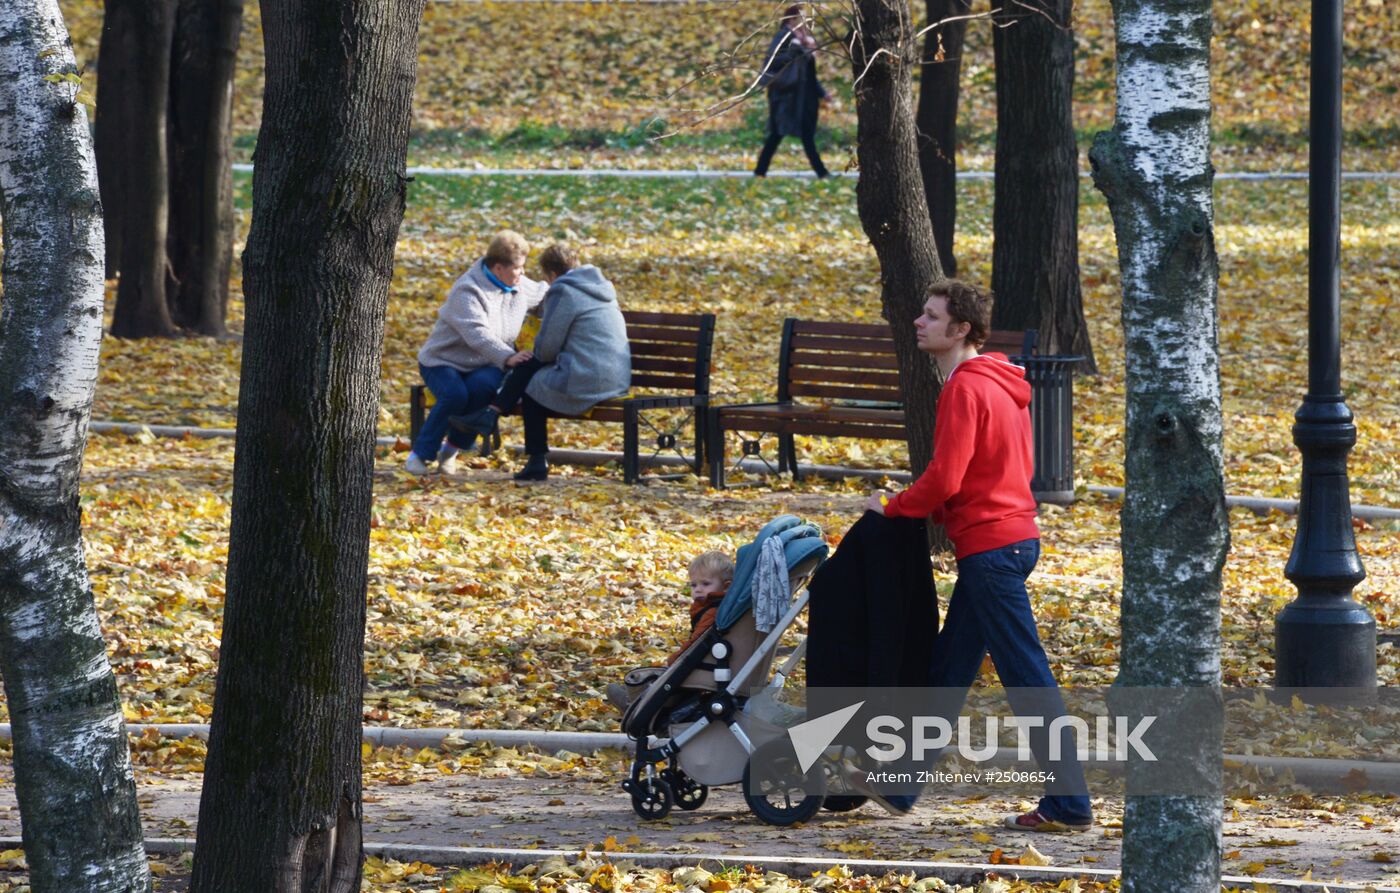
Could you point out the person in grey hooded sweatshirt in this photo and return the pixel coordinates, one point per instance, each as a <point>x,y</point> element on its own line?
<point>581,358</point>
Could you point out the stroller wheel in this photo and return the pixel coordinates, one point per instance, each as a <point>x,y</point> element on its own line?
<point>843,802</point>
<point>689,793</point>
<point>652,797</point>
<point>784,794</point>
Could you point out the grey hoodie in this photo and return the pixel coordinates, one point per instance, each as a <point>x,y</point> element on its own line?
<point>478,323</point>
<point>584,341</point>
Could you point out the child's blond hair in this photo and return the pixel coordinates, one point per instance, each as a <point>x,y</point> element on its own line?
<point>713,562</point>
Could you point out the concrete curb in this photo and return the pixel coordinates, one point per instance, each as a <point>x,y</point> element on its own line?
<point>1260,504</point>
<point>1266,504</point>
<point>698,174</point>
<point>1319,775</point>
<point>387,736</point>
<point>965,874</point>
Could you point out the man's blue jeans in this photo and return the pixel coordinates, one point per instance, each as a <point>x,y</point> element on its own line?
<point>456,393</point>
<point>990,613</point>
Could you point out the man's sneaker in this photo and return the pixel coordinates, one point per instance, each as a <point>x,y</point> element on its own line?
<point>447,459</point>
<point>415,465</point>
<point>856,780</point>
<point>1035,821</point>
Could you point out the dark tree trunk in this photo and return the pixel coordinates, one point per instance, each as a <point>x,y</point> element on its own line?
<point>1035,253</point>
<point>72,770</point>
<point>200,241</point>
<point>940,77</point>
<point>132,164</point>
<point>890,200</point>
<point>280,810</point>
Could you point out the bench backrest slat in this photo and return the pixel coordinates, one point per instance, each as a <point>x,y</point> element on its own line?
<point>662,364</point>
<point>805,341</point>
<point>851,361</point>
<point>1011,343</point>
<point>868,377</point>
<point>670,351</point>
<point>660,349</point>
<point>663,334</point>
<point>830,392</point>
<point>670,383</point>
<point>830,359</point>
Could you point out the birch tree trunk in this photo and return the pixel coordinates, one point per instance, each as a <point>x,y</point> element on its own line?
<point>77,795</point>
<point>281,810</point>
<point>1154,169</point>
<point>890,200</point>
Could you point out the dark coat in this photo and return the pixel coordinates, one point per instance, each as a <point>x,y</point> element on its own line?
<point>790,74</point>
<point>874,612</point>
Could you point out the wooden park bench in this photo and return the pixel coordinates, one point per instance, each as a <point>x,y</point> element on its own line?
<point>670,371</point>
<point>835,379</point>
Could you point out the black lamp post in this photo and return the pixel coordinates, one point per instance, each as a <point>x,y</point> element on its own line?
<point>1323,638</point>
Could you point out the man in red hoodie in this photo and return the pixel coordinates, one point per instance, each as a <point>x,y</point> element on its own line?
<point>978,487</point>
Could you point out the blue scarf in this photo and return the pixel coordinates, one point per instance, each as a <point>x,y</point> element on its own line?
<point>508,289</point>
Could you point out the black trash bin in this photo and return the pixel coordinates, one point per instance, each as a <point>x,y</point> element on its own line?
<point>1052,423</point>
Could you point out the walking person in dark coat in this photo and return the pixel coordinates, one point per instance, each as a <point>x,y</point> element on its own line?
<point>794,93</point>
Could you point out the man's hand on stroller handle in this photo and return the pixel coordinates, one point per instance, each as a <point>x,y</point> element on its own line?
<point>877,502</point>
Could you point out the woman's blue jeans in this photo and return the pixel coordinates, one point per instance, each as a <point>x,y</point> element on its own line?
<point>990,613</point>
<point>456,393</point>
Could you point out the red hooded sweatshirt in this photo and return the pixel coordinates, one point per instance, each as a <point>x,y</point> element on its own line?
<point>978,484</point>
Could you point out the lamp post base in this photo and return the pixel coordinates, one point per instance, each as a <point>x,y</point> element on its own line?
<point>1326,643</point>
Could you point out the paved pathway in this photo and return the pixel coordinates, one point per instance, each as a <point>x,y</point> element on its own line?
<point>569,813</point>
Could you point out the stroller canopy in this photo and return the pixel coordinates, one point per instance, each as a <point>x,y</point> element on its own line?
<point>800,540</point>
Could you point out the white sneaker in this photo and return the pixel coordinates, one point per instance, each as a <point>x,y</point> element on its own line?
<point>415,465</point>
<point>447,459</point>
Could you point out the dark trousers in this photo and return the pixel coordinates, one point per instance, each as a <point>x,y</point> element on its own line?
<point>809,145</point>
<point>535,414</point>
<point>990,613</point>
<point>513,386</point>
<point>537,417</point>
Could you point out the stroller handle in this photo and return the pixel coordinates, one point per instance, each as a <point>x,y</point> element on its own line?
<point>741,678</point>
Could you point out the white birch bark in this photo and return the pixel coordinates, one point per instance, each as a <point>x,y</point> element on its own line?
<point>1154,168</point>
<point>73,778</point>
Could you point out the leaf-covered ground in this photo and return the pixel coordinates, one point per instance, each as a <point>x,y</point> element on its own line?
<point>590,82</point>
<point>756,252</point>
<point>492,605</point>
<point>597,873</point>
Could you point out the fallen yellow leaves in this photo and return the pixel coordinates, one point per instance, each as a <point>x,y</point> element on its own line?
<point>756,253</point>
<point>469,628</point>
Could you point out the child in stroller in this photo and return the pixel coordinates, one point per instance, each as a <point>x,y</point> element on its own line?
<point>700,721</point>
<point>710,575</point>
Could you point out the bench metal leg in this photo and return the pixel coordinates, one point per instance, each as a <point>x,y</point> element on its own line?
<point>787,455</point>
<point>701,434</point>
<point>715,453</point>
<point>631,461</point>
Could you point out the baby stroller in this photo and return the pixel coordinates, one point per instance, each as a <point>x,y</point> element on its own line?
<point>698,722</point>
